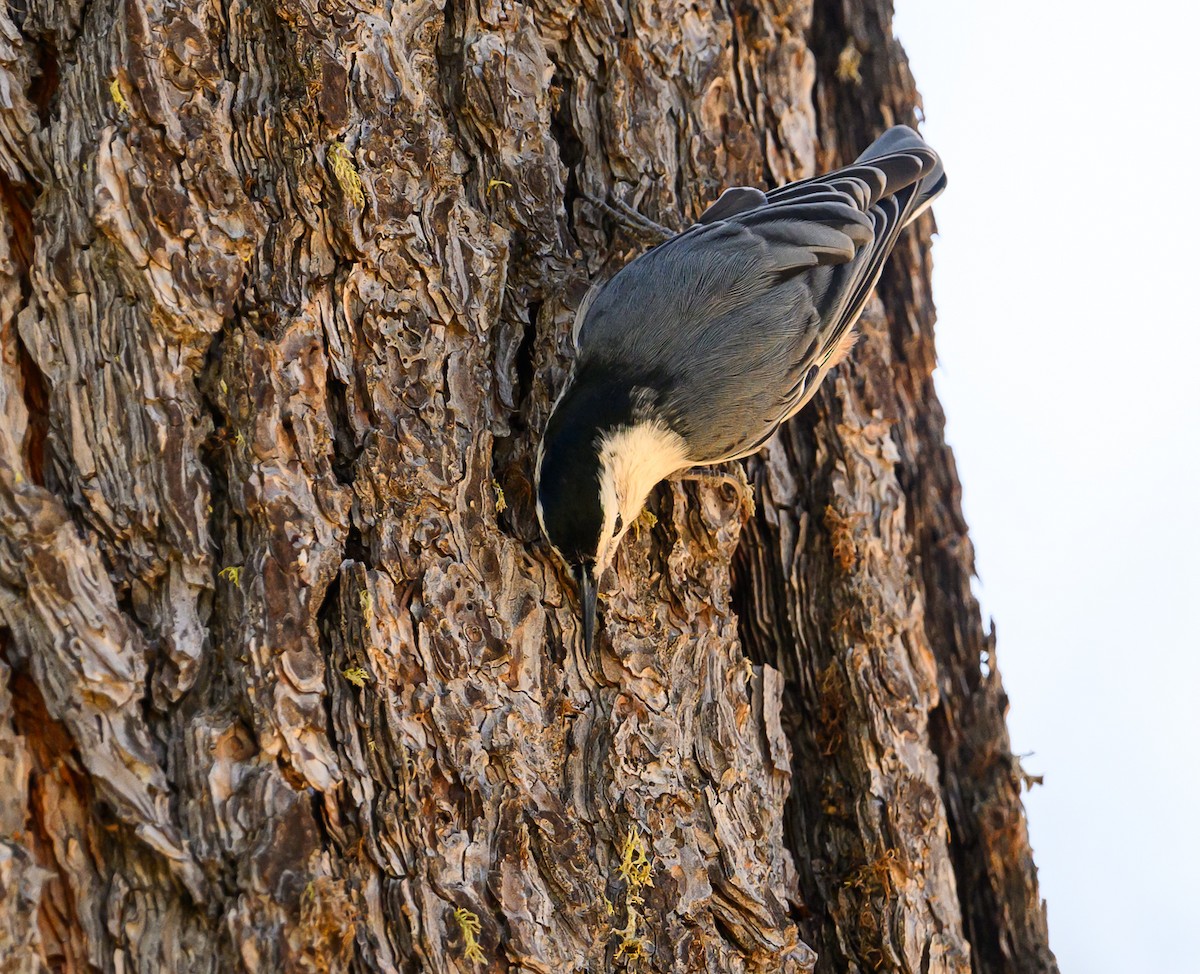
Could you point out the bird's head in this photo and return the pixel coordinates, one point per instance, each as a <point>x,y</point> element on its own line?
<point>597,464</point>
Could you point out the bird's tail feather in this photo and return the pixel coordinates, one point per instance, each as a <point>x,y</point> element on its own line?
<point>894,153</point>
<point>897,164</point>
<point>912,177</point>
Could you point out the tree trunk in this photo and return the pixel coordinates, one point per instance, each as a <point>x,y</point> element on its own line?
<point>291,682</point>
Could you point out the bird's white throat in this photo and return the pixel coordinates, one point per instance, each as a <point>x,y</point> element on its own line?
<point>632,460</point>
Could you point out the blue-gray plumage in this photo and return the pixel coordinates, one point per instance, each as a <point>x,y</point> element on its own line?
<point>695,352</point>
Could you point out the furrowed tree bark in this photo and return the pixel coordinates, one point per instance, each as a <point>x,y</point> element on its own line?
<point>289,680</point>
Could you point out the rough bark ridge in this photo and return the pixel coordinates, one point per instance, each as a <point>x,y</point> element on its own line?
<point>289,681</point>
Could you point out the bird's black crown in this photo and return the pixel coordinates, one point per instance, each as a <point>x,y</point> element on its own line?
<point>569,484</point>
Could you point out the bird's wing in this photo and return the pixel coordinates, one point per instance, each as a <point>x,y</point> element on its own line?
<point>892,182</point>
<point>892,162</point>
<point>740,314</point>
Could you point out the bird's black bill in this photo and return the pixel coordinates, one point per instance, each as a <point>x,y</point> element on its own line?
<point>587,602</point>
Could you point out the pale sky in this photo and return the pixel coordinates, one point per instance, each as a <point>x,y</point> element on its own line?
<point>1069,346</point>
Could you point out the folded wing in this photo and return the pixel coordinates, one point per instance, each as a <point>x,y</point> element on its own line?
<point>739,316</point>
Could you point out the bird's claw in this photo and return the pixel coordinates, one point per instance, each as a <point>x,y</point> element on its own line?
<point>630,219</point>
<point>731,474</point>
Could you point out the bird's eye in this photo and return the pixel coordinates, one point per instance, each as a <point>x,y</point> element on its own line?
<point>619,525</point>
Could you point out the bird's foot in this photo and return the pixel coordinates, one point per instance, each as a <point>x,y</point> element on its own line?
<point>630,218</point>
<point>731,474</point>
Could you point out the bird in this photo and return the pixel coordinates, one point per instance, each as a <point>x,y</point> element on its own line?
<point>696,351</point>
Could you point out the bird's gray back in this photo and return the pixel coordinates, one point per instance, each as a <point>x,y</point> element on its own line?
<point>733,320</point>
<point>721,334</point>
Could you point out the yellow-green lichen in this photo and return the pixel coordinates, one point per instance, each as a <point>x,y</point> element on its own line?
<point>118,97</point>
<point>357,675</point>
<point>634,869</point>
<point>345,172</point>
<point>470,926</point>
<point>849,62</point>
<point>633,947</point>
<point>635,861</point>
<point>645,520</point>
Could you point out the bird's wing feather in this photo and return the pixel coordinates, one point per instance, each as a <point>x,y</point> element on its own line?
<point>734,200</point>
<point>582,311</point>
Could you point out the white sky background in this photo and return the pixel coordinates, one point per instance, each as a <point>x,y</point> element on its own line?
<point>1069,346</point>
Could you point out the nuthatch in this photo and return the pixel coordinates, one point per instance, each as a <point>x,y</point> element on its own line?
<point>696,351</point>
